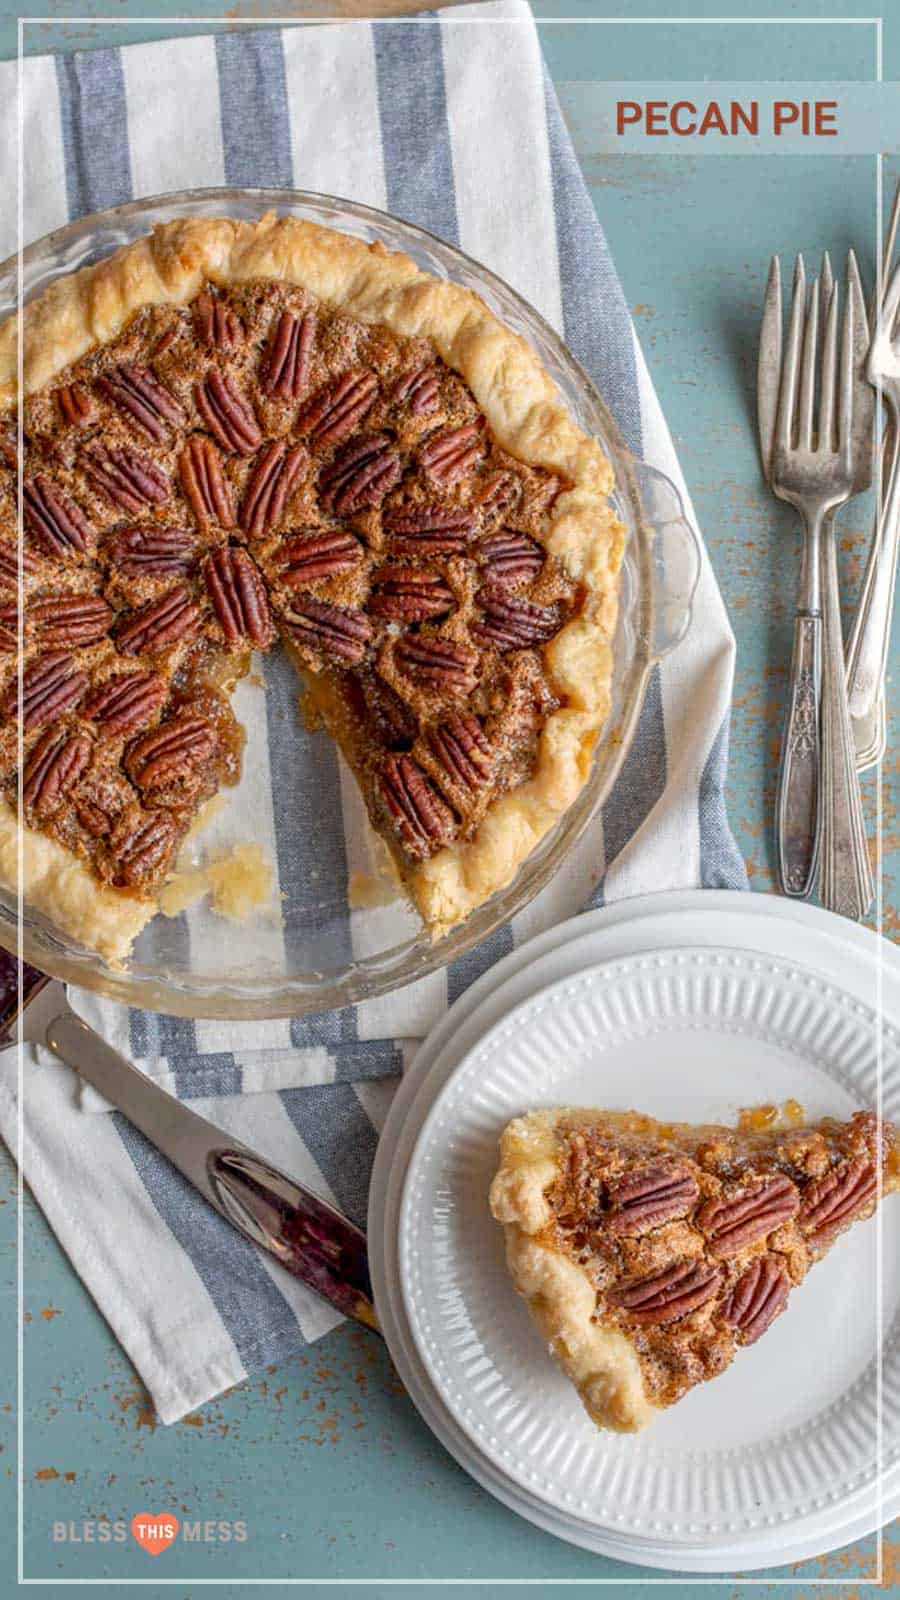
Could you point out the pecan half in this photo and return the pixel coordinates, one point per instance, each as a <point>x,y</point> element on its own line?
<point>410,594</point>
<point>668,1295</point>
<point>74,404</point>
<point>418,389</point>
<point>73,620</point>
<point>830,1202</point>
<point>227,414</point>
<point>9,626</point>
<point>273,478</point>
<point>650,1195</point>
<point>333,631</point>
<point>141,845</point>
<point>396,725</point>
<point>58,525</point>
<point>9,564</point>
<point>215,324</point>
<point>160,624</point>
<point>756,1299</point>
<point>732,1222</point>
<point>126,702</point>
<point>435,528</point>
<point>501,491</point>
<point>360,475</point>
<point>290,351</point>
<point>167,338</point>
<point>462,748</point>
<point>143,400</point>
<point>56,762</point>
<point>450,456</point>
<point>239,597</point>
<point>510,624</point>
<point>51,685</point>
<point>511,557</point>
<point>309,557</point>
<point>338,407</point>
<point>152,552</point>
<point>422,819</point>
<point>204,483</point>
<point>169,752</point>
<point>437,663</point>
<point>126,478</point>
<point>98,805</point>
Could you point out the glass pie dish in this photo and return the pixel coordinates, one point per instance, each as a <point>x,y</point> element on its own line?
<point>315,950</point>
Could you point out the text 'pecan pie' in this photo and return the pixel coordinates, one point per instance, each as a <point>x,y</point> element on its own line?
<point>650,1253</point>
<point>241,434</point>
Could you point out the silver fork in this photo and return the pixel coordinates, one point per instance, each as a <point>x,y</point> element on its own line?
<point>811,463</point>
<point>867,653</point>
<point>845,880</point>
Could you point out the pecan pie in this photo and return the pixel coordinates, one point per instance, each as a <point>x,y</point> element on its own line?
<point>238,436</point>
<point>650,1253</point>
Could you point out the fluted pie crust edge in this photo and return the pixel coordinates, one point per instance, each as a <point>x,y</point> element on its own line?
<point>528,419</point>
<point>58,885</point>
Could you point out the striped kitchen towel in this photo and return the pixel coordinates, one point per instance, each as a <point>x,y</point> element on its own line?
<point>449,121</point>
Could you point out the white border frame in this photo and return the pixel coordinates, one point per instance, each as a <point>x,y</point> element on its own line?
<point>689,1579</point>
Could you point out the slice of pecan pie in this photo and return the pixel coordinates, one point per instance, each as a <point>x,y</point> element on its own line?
<point>650,1253</point>
<point>236,435</point>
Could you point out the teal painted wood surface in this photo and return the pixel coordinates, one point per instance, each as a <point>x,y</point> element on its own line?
<point>324,1458</point>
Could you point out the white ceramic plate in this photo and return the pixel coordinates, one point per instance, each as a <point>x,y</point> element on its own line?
<point>868,967</point>
<point>766,1446</point>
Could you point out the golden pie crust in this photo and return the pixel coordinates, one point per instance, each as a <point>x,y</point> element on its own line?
<point>526,419</point>
<point>650,1253</point>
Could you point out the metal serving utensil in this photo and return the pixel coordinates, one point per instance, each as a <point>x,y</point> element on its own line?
<point>845,881</point>
<point>870,638</point>
<point>815,459</point>
<point>307,1235</point>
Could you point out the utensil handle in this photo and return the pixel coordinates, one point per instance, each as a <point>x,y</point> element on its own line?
<point>16,992</point>
<point>867,655</point>
<point>846,879</point>
<point>797,813</point>
<point>309,1237</point>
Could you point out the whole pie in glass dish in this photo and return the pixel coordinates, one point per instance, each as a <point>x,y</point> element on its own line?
<point>240,437</point>
<point>651,1253</point>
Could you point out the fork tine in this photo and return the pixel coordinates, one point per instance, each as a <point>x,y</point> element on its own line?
<point>787,396</point>
<point>864,394</point>
<point>826,283</point>
<point>808,373</point>
<point>769,368</point>
<point>860,315</point>
<point>826,440</point>
<point>845,425</point>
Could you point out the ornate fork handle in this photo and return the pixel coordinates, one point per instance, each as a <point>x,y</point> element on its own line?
<point>846,880</point>
<point>798,788</point>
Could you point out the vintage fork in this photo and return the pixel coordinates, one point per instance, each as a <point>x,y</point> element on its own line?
<point>869,642</point>
<point>845,878</point>
<point>811,463</point>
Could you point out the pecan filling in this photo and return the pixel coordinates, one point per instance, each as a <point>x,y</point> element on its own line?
<point>694,1242</point>
<point>252,467</point>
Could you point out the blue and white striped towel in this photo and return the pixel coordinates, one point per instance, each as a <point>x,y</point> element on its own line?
<point>399,115</point>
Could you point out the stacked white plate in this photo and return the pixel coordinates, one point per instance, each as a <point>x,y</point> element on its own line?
<point>687,1005</point>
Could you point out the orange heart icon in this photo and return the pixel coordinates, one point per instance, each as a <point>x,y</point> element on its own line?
<point>155,1530</point>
